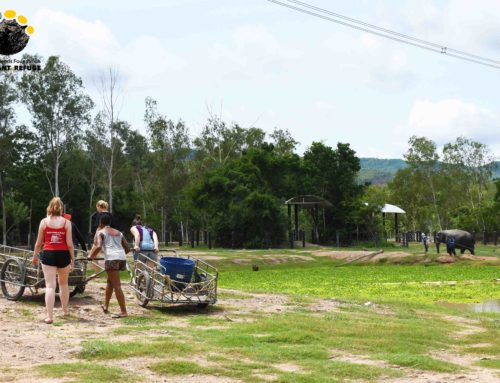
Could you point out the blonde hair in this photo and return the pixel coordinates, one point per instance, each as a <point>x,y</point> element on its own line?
<point>102,204</point>
<point>55,207</point>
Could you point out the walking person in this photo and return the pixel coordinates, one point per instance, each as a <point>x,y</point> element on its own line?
<point>450,245</point>
<point>58,258</point>
<point>113,245</point>
<point>101,208</point>
<point>425,241</point>
<point>145,241</point>
<point>77,236</point>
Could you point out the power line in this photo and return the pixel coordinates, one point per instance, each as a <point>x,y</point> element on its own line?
<point>386,33</point>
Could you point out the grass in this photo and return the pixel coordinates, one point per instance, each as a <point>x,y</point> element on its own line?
<point>86,373</point>
<point>406,331</point>
<point>161,346</point>
<point>383,282</point>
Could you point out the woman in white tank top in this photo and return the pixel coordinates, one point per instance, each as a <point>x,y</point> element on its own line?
<point>113,245</point>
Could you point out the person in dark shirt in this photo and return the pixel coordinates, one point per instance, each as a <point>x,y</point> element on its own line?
<point>101,208</point>
<point>77,236</point>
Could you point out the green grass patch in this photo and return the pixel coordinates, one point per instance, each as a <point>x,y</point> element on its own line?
<point>306,339</point>
<point>161,346</point>
<point>489,363</point>
<point>86,373</point>
<point>390,283</point>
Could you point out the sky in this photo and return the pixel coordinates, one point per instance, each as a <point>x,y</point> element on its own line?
<point>258,64</point>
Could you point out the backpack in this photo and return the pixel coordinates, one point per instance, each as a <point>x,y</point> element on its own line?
<point>146,238</point>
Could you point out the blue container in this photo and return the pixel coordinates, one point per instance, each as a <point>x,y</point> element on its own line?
<point>178,269</point>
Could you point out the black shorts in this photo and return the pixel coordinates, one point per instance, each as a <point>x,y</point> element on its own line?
<point>57,258</point>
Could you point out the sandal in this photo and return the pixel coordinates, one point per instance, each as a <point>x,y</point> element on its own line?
<point>118,316</point>
<point>48,321</point>
<point>104,309</point>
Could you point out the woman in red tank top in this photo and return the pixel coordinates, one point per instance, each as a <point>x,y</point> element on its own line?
<point>58,258</point>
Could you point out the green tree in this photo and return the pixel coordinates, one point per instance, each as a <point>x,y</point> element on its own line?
<point>59,108</point>
<point>332,174</point>
<point>471,164</point>
<point>423,158</point>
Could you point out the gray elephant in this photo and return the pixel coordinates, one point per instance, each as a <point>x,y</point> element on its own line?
<point>463,239</point>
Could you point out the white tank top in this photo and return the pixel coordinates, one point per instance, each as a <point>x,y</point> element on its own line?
<point>112,247</point>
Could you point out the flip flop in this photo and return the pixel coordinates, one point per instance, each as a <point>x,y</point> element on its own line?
<point>104,309</point>
<point>118,316</point>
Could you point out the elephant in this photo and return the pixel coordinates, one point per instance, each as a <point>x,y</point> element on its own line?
<point>463,239</point>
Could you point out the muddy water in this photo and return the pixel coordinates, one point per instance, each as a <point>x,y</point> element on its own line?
<point>491,306</point>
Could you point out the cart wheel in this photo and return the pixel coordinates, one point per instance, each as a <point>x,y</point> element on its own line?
<point>143,286</point>
<point>79,289</point>
<point>12,276</point>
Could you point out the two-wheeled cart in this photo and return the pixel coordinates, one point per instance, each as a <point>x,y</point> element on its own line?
<point>18,273</point>
<point>175,280</point>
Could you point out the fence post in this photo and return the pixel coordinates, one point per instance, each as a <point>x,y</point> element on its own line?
<point>290,237</point>
<point>166,237</point>
<point>485,238</point>
<point>495,237</point>
<point>303,238</point>
<point>337,237</point>
<point>191,235</point>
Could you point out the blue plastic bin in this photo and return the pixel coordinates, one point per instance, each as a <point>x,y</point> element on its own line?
<point>178,269</point>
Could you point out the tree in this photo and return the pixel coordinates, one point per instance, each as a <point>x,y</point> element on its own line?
<point>242,199</point>
<point>111,93</point>
<point>332,174</point>
<point>471,164</point>
<point>59,108</point>
<point>169,166</point>
<point>7,119</point>
<point>422,157</point>
<point>283,142</point>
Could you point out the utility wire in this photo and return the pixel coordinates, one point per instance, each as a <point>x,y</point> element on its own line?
<point>387,33</point>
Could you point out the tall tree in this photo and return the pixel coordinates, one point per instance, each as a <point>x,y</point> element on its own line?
<point>59,109</point>
<point>472,164</point>
<point>111,92</point>
<point>422,157</point>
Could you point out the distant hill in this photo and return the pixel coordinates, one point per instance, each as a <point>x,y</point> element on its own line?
<point>379,170</point>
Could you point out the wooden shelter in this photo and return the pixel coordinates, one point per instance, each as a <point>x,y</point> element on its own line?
<point>312,202</point>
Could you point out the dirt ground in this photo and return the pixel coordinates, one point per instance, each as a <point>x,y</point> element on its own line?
<point>26,341</point>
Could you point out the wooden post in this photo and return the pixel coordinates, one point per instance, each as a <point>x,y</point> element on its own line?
<point>337,235</point>
<point>495,237</point>
<point>192,238</point>
<point>296,219</point>
<point>290,237</point>
<point>303,238</point>
<point>181,234</point>
<point>209,240</point>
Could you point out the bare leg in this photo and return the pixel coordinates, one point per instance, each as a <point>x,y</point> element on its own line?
<point>49,273</point>
<point>63,275</point>
<point>114,277</point>
<point>108,293</point>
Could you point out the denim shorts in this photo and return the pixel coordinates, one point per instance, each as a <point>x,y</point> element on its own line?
<point>145,256</point>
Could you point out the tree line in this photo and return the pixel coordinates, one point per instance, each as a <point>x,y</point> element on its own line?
<point>229,180</point>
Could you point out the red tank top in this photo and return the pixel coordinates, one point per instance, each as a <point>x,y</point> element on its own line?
<point>55,239</point>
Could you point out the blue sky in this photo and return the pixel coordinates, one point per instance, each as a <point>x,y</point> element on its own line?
<point>259,64</point>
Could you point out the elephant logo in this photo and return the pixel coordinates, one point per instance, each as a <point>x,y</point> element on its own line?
<point>14,33</point>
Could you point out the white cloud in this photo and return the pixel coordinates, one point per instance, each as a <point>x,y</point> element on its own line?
<point>253,50</point>
<point>90,46</point>
<point>371,60</point>
<point>445,120</point>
